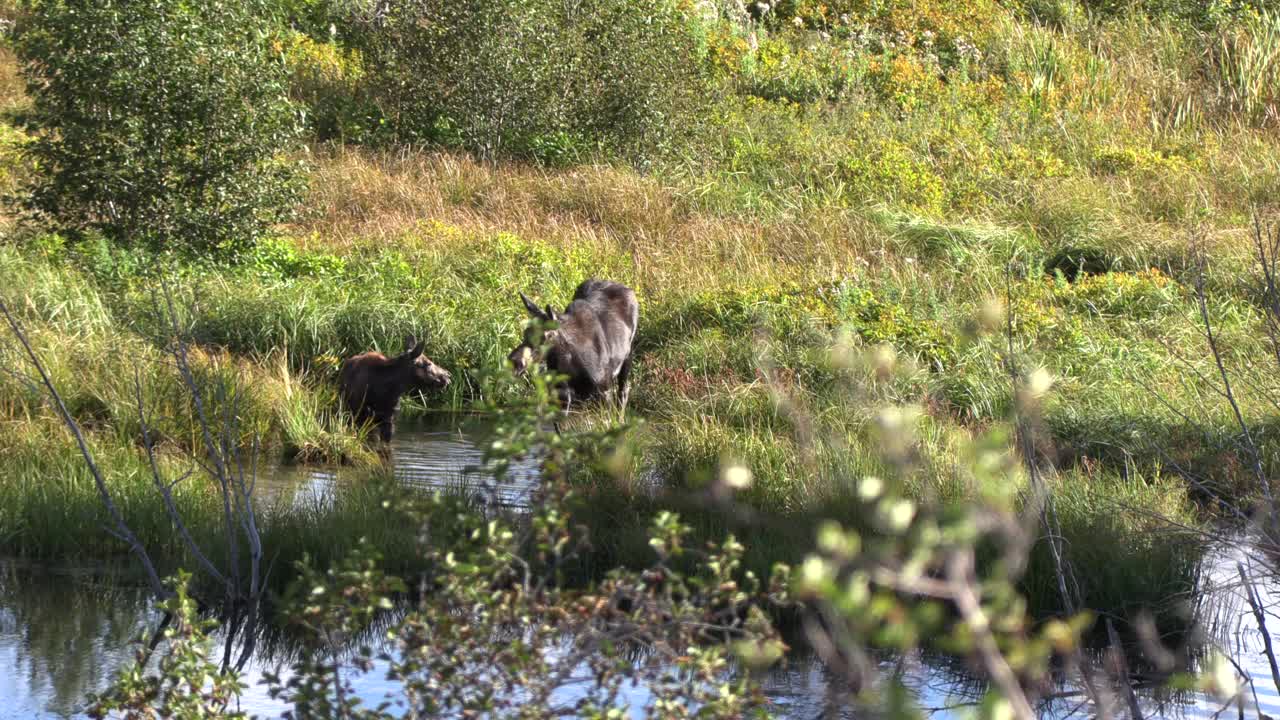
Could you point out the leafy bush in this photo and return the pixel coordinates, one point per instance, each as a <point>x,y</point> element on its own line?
<point>888,170</point>
<point>541,79</point>
<point>948,27</point>
<point>1199,12</point>
<point>189,684</point>
<point>279,258</point>
<point>156,137</point>
<point>317,18</point>
<point>1066,15</point>
<point>781,70</point>
<point>325,79</point>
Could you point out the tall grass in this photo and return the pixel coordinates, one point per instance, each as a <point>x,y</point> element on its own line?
<point>50,510</point>
<point>896,201</point>
<point>312,426</point>
<point>108,359</point>
<point>1245,63</point>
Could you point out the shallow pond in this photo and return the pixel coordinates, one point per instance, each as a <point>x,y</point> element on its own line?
<point>444,452</point>
<point>65,633</point>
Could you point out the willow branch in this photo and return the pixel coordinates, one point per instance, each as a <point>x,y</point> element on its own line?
<point>121,528</point>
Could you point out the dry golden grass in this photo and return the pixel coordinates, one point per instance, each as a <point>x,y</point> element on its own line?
<point>361,196</point>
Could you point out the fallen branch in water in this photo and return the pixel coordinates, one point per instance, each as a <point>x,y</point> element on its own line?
<point>1256,604</point>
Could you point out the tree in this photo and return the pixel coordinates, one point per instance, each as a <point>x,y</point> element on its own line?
<point>543,79</point>
<point>160,123</point>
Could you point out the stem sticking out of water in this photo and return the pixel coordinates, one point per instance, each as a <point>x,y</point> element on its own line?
<point>1255,602</point>
<point>1122,667</point>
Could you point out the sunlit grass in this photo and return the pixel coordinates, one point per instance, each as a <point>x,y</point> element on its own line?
<point>925,227</point>
<point>50,509</point>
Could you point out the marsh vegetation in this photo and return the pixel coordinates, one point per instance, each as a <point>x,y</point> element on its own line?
<point>948,312</point>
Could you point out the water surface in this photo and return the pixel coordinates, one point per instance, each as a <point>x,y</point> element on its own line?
<point>444,453</point>
<point>65,633</point>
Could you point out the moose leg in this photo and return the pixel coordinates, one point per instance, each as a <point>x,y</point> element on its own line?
<point>386,426</point>
<point>564,397</point>
<point>624,387</point>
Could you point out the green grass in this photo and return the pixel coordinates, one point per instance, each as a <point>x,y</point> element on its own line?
<point>898,202</point>
<point>739,371</point>
<point>52,511</point>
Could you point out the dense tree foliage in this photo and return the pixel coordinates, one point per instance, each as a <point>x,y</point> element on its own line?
<point>537,78</point>
<point>160,123</point>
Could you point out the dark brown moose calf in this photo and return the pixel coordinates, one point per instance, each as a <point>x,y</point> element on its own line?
<point>591,342</point>
<point>372,383</point>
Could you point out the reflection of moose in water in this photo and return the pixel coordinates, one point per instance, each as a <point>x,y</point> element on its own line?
<point>372,383</point>
<point>591,342</point>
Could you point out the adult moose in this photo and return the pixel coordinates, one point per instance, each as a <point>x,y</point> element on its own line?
<point>591,343</point>
<point>372,383</point>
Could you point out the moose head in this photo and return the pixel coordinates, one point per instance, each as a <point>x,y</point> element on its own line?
<point>537,334</point>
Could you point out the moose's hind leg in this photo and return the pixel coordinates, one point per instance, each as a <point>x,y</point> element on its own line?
<point>386,428</point>
<point>363,420</point>
<point>624,385</point>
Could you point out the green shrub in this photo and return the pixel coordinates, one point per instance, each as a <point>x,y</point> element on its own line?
<point>279,258</point>
<point>891,172</point>
<point>796,72</point>
<point>537,78</point>
<point>949,27</point>
<point>1066,15</point>
<point>317,18</point>
<point>1200,12</point>
<point>325,79</point>
<point>156,137</point>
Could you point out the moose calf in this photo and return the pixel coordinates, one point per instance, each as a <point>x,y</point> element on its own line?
<point>591,343</point>
<point>372,383</point>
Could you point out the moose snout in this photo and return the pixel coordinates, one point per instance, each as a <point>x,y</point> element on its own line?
<point>431,375</point>
<point>442,377</point>
<point>520,359</point>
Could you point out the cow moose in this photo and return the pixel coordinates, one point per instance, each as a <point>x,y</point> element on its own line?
<point>591,343</point>
<point>372,384</point>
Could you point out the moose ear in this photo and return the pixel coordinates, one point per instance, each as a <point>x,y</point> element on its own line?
<point>531,307</point>
<point>551,314</point>
<point>412,347</point>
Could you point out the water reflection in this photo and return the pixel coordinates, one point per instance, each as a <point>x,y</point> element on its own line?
<point>442,453</point>
<point>64,634</point>
<point>1231,626</point>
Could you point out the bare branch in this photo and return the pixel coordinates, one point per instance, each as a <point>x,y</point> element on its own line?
<point>1135,710</point>
<point>166,489</point>
<point>961,579</point>
<point>178,348</point>
<point>1225,376</point>
<point>1256,605</point>
<point>121,528</point>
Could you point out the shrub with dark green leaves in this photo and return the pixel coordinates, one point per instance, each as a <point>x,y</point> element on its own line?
<point>540,79</point>
<point>1198,12</point>
<point>161,123</point>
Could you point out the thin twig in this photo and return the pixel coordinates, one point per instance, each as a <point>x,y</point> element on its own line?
<point>1252,447</point>
<point>961,575</point>
<point>1256,605</point>
<point>1122,664</point>
<point>165,489</point>
<point>219,469</point>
